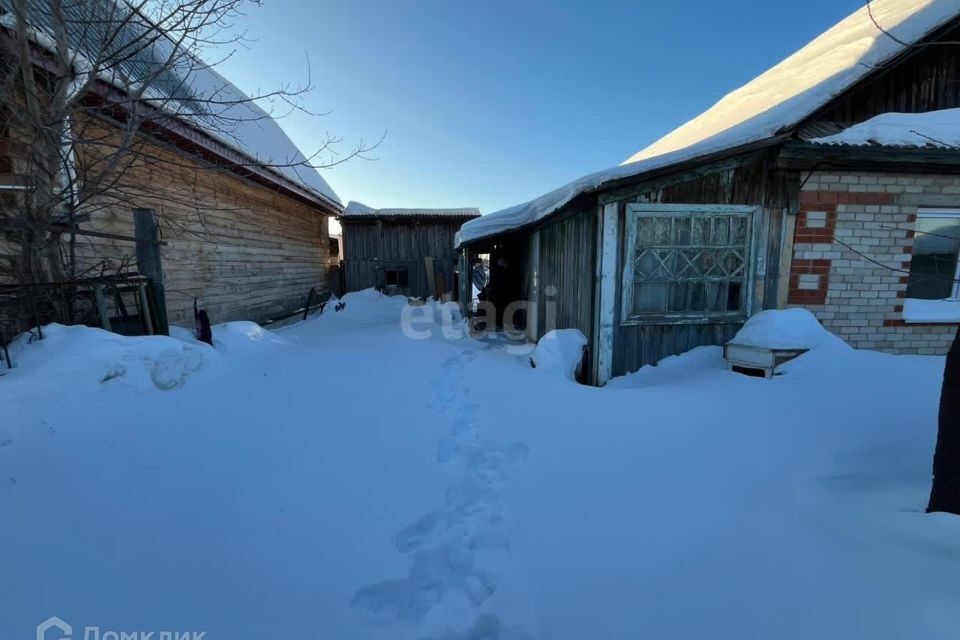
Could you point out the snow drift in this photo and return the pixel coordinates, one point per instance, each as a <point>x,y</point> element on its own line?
<point>785,329</point>
<point>559,352</point>
<point>84,359</point>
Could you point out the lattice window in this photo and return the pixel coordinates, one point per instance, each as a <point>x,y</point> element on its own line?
<point>687,263</point>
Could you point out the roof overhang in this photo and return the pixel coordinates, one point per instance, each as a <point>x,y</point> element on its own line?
<point>107,100</point>
<point>702,165</point>
<point>809,156</point>
<point>425,219</point>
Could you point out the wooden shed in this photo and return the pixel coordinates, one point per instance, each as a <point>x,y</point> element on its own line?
<point>401,251</point>
<point>761,203</point>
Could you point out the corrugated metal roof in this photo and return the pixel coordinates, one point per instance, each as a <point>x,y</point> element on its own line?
<point>360,210</point>
<point>926,130</point>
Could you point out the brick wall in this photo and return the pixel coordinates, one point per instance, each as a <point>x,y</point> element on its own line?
<point>851,256</point>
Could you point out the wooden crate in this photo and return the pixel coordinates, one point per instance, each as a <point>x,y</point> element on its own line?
<point>757,361</point>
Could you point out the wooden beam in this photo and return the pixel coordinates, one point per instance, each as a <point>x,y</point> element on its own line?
<point>607,298</point>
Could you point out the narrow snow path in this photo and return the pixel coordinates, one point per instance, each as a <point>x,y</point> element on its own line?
<point>448,582</point>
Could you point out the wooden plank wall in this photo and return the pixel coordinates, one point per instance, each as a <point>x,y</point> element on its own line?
<point>248,253</point>
<point>925,81</point>
<point>370,245</point>
<point>754,183</point>
<point>567,267</point>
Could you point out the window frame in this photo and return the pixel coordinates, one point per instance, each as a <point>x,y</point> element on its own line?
<point>397,269</point>
<point>935,212</point>
<point>636,211</point>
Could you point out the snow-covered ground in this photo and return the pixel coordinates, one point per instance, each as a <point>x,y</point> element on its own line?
<point>338,479</point>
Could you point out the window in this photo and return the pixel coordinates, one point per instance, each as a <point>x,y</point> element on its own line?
<point>687,263</point>
<point>396,277</point>
<point>933,288</point>
<point>933,267</point>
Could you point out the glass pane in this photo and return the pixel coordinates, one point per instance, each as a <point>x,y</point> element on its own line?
<point>681,231</point>
<point>679,293</point>
<point>716,296</point>
<point>711,265</point>
<point>732,263</point>
<point>721,230</point>
<point>661,231</point>
<point>701,230</point>
<point>687,297</point>
<point>646,264</point>
<point>644,232</point>
<point>738,230</point>
<point>734,296</point>
<point>666,265</point>
<point>934,263</point>
<point>650,297</point>
<point>689,264</point>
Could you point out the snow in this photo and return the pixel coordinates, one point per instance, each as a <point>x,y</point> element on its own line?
<point>917,310</point>
<point>86,359</point>
<point>784,329</point>
<point>245,126</point>
<point>761,109</point>
<point>938,129</point>
<point>559,352</point>
<point>338,479</point>
<point>360,210</point>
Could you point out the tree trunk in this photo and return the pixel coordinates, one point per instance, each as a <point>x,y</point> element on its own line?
<point>945,495</point>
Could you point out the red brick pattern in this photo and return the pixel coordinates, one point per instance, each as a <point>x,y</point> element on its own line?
<point>816,235</point>
<point>797,295</point>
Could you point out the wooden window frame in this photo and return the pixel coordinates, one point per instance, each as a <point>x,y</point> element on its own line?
<point>398,269</point>
<point>636,211</point>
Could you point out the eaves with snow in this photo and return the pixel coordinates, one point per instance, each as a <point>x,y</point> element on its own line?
<point>190,90</point>
<point>764,109</point>
<point>359,211</point>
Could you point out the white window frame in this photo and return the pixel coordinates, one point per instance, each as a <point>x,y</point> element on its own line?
<point>941,213</point>
<point>635,211</point>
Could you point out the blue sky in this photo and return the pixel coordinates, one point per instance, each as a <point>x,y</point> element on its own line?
<point>492,103</point>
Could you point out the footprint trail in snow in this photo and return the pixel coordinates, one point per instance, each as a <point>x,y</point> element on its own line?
<point>444,545</point>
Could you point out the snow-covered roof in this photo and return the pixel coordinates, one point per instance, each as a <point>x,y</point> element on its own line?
<point>180,84</point>
<point>360,210</point>
<point>937,129</point>
<point>243,125</point>
<point>763,108</point>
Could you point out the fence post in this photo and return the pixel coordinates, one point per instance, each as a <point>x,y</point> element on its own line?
<point>101,302</point>
<point>149,264</point>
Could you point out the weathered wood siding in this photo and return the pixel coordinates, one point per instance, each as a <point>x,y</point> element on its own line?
<point>751,183</point>
<point>371,245</point>
<point>248,253</point>
<point>925,81</point>
<point>566,274</point>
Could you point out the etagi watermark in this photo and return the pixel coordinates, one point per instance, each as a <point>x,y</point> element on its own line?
<point>54,628</point>
<point>487,322</point>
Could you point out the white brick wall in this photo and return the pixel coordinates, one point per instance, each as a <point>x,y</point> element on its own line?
<point>869,255</point>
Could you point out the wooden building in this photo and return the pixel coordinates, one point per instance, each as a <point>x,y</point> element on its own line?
<point>401,251</point>
<point>799,189</point>
<point>242,215</point>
